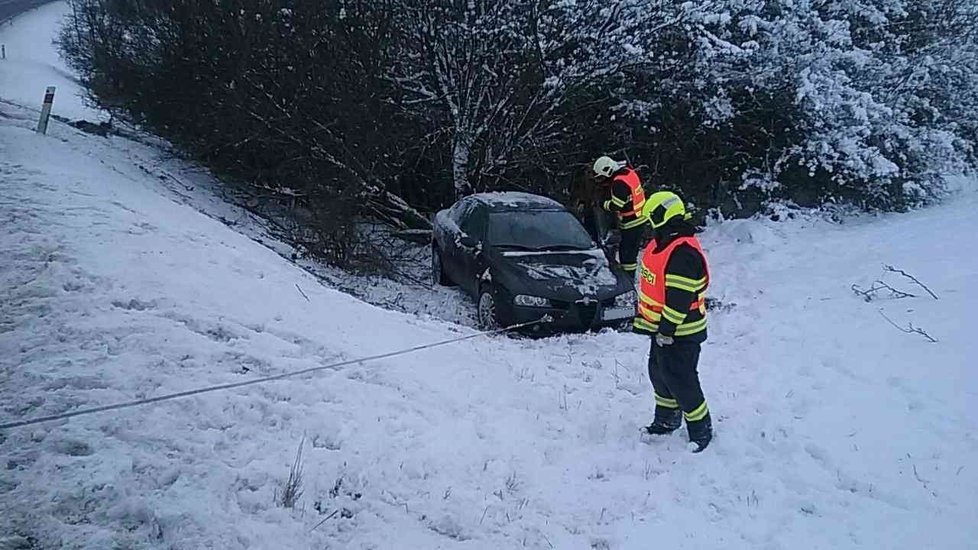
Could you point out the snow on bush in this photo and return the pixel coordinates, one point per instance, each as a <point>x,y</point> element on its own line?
<point>868,102</point>
<point>732,102</point>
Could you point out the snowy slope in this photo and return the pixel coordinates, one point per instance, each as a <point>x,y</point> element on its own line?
<point>33,64</point>
<point>835,429</point>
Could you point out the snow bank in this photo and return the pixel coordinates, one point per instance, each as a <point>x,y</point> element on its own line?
<point>747,232</point>
<point>832,425</point>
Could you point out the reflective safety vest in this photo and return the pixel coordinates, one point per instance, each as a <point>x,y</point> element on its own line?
<point>653,282</point>
<point>628,219</point>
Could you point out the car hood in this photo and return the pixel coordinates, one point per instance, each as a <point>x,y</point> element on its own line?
<point>564,276</point>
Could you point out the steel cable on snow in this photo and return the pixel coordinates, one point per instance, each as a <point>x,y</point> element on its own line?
<point>220,387</point>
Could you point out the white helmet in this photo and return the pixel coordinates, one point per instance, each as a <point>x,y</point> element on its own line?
<point>605,167</point>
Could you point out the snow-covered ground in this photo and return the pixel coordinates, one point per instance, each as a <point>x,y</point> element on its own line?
<point>33,64</point>
<point>124,274</point>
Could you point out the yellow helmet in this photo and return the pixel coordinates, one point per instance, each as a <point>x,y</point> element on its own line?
<point>662,207</point>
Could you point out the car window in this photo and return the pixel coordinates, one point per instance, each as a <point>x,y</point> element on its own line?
<point>538,230</point>
<point>460,211</point>
<point>474,224</point>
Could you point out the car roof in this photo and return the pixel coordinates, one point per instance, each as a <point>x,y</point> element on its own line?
<point>515,200</point>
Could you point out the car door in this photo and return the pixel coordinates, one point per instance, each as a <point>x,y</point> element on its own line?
<point>470,257</point>
<point>450,241</point>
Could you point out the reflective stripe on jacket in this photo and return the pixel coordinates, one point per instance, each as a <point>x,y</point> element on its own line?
<point>654,282</point>
<point>628,205</point>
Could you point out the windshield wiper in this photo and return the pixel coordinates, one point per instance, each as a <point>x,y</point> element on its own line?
<point>547,248</point>
<point>565,247</point>
<point>517,247</point>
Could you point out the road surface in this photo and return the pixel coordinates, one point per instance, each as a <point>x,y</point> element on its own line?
<point>12,8</point>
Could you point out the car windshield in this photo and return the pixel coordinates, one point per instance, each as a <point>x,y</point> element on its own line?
<point>537,230</point>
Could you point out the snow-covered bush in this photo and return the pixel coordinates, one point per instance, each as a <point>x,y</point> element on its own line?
<point>379,107</point>
<point>867,101</point>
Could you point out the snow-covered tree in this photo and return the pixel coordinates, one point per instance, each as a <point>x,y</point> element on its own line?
<point>361,103</point>
<point>866,101</point>
<point>499,73</point>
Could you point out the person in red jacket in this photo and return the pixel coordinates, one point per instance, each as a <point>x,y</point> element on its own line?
<point>627,197</point>
<point>673,279</point>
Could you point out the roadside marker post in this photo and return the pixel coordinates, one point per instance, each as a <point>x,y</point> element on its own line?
<point>3,51</point>
<point>42,123</point>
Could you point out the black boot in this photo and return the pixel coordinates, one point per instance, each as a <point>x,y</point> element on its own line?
<point>700,433</point>
<point>666,421</point>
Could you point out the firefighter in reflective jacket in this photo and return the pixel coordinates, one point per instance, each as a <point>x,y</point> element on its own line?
<point>627,199</point>
<point>673,278</point>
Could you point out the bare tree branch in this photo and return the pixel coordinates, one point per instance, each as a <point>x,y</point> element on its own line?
<point>871,293</point>
<point>892,269</point>
<point>909,329</point>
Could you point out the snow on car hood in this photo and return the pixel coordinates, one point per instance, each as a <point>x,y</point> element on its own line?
<point>585,272</point>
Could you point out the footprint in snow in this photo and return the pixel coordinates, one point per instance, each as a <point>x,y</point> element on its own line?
<point>118,204</point>
<point>6,486</point>
<point>134,305</point>
<point>72,447</point>
<point>217,333</point>
<point>142,228</point>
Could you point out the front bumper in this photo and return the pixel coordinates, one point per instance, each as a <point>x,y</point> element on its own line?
<point>573,317</point>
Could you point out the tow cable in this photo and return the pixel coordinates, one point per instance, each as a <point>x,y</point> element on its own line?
<point>546,319</point>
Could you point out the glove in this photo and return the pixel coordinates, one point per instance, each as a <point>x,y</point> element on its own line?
<point>663,340</point>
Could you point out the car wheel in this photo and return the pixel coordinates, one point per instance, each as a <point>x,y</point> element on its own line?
<point>438,275</point>
<point>488,317</point>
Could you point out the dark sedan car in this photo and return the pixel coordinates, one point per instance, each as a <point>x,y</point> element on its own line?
<point>522,257</point>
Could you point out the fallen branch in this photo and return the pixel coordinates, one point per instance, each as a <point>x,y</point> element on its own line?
<point>892,269</point>
<point>916,475</point>
<point>867,295</point>
<point>327,518</point>
<point>301,292</point>
<point>894,293</point>
<point>909,329</point>
<point>871,293</point>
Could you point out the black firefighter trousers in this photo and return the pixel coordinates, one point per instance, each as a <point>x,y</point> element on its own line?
<point>676,382</point>
<point>630,248</point>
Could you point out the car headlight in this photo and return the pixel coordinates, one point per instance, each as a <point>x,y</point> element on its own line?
<point>530,301</point>
<point>626,300</point>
